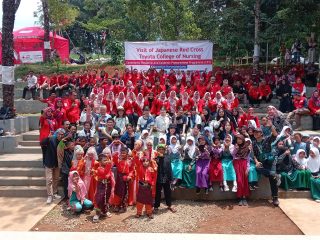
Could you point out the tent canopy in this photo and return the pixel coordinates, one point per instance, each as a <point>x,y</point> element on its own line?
<point>29,45</point>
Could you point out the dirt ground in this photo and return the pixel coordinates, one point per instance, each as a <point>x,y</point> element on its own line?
<point>221,217</point>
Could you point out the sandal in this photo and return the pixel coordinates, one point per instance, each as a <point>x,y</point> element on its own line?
<point>173,210</point>
<point>95,218</point>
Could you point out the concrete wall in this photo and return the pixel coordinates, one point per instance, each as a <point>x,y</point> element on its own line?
<point>8,144</point>
<point>263,192</point>
<point>15,126</point>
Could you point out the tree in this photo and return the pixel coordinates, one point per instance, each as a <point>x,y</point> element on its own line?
<point>256,51</point>
<point>9,9</point>
<point>46,24</point>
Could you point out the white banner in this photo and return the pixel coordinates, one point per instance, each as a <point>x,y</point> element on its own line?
<point>31,56</point>
<point>184,55</point>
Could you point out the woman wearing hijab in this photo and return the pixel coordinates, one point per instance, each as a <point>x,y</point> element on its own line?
<point>172,103</point>
<point>190,155</point>
<point>314,166</point>
<point>227,165</point>
<point>174,153</point>
<point>240,163</point>
<point>314,106</point>
<point>286,166</point>
<point>185,102</point>
<point>77,193</point>
<point>110,103</point>
<point>284,91</point>
<point>139,104</point>
<point>231,102</point>
<point>197,102</point>
<point>160,102</point>
<point>59,112</point>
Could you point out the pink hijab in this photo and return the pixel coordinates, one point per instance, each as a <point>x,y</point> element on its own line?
<point>81,194</point>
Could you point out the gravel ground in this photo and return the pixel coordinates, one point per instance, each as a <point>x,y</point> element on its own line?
<point>191,217</point>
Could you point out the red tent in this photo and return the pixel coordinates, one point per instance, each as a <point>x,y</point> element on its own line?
<point>29,45</point>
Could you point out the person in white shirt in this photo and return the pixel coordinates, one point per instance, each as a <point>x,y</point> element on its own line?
<point>31,80</point>
<point>161,124</point>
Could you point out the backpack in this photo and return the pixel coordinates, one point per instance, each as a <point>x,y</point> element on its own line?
<point>6,113</point>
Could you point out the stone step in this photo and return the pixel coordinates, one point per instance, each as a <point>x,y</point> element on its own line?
<point>22,172</point>
<point>23,191</point>
<point>27,106</point>
<point>21,163</point>
<point>31,136</point>
<point>294,194</point>
<point>29,143</point>
<point>28,150</point>
<point>17,93</point>
<point>22,181</point>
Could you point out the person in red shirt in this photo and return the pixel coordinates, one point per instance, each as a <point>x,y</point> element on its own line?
<point>265,91</point>
<point>50,101</point>
<point>108,86</point>
<point>219,77</point>
<point>198,103</point>
<point>121,101</point>
<point>139,88</point>
<point>160,102</point>
<point>300,104</point>
<point>185,102</point>
<point>84,83</point>
<point>172,77</point>
<point>139,104</point>
<point>254,95</point>
<point>63,85</point>
<point>59,112</point>
<point>73,80</point>
<point>231,102</point>
<point>180,76</point>
<point>73,111</point>
<point>207,101</point>
<point>157,88</point>
<point>202,87</point>
<point>52,83</point>
<point>189,88</point>
<point>299,87</point>
<point>314,107</point>
<point>48,124</point>
<point>245,118</point>
<point>270,79</point>
<point>135,77</point>
<point>218,102</point>
<point>110,104</point>
<point>41,84</point>
<point>147,89</point>
<point>127,75</point>
<point>172,103</point>
<point>225,89</point>
<point>129,88</point>
<point>119,87</point>
<point>213,87</point>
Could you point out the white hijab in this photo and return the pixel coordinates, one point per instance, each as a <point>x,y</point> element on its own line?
<point>301,161</point>
<point>77,149</point>
<point>174,147</point>
<point>191,148</point>
<point>313,164</point>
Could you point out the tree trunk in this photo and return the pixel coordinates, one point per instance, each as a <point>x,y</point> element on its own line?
<point>9,8</point>
<point>46,24</point>
<point>256,54</point>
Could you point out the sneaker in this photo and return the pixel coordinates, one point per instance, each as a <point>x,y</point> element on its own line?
<point>244,202</point>
<point>234,189</point>
<point>275,201</point>
<point>318,200</point>
<point>226,188</point>
<point>56,197</point>
<point>109,215</point>
<point>211,189</point>
<point>251,188</point>
<point>207,191</point>
<point>240,203</point>
<point>221,188</point>
<point>95,218</point>
<point>49,200</point>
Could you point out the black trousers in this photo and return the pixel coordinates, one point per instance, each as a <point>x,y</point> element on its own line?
<point>64,178</point>
<point>272,180</point>
<point>32,90</point>
<point>167,194</point>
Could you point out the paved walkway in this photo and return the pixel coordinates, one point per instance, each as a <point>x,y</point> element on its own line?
<point>305,213</point>
<point>21,214</point>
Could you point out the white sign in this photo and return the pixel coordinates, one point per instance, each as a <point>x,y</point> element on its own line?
<point>8,75</point>
<point>46,45</point>
<point>31,56</point>
<point>185,55</point>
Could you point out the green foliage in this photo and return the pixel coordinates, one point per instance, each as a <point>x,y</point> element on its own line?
<point>116,50</point>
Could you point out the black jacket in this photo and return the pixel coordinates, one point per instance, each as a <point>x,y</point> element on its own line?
<point>50,159</point>
<point>164,169</point>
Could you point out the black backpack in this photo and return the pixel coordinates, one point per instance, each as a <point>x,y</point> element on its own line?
<point>6,113</point>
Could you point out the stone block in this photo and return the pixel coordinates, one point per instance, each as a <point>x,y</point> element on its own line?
<point>15,126</point>
<point>8,144</point>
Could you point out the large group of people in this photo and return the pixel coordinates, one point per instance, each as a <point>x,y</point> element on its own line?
<point>120,139</point>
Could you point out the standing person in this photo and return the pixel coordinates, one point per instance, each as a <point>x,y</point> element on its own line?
<point>314,106</point>
<point>66,165</point>
<point>228,170</point>
<point>215,168</point>
<point>202,166</point>
<point>147,181</point>
<point>190,156</point>
<point>164,179</point>
<point>265,161</point>
<point>123,177</point>
<point>31,80</point>
<point>284,94</point>
<point>174,153</point>
<point>105,186</point>
<point>240,162</point>
<point>51,164</point>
